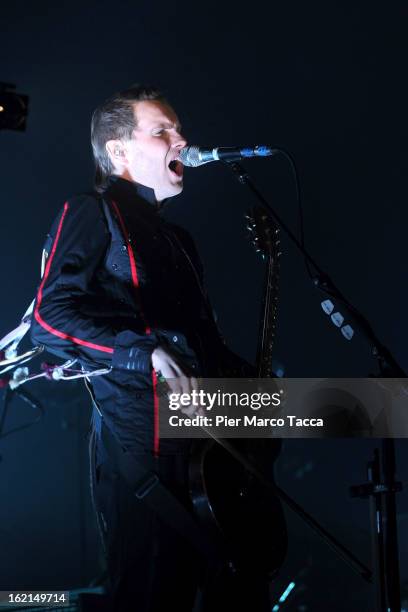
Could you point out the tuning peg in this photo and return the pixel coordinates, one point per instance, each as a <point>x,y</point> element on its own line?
<point>337,319</point>
<point>347,331</point>
<point>327,306</point>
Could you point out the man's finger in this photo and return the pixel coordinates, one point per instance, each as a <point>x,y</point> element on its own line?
<point>194,383</point>
<point>174,385</point>
<point>189,410</point>
<point>185,384</point>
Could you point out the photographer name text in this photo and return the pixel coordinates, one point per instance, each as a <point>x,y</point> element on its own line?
<point>177,420</point>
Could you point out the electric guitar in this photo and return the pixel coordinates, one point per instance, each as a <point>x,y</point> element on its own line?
<point>228,498</point>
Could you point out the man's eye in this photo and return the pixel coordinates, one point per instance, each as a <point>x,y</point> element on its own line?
<point>158,132</point>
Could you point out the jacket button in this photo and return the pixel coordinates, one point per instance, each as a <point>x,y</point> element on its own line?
<point>115,266</point>
<point>124,247</point>
<point>175,339</point>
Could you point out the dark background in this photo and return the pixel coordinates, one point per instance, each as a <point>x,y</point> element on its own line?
<point>324,80</point>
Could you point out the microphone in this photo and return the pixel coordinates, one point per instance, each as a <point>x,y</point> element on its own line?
<point>197,156</point>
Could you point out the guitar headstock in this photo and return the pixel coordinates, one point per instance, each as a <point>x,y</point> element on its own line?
<point>264,234</point>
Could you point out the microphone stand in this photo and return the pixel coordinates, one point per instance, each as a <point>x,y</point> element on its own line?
<point>381,492</point>
<point>26,397</point>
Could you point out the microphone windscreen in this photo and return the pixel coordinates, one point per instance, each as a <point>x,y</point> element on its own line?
<point>190,156</point>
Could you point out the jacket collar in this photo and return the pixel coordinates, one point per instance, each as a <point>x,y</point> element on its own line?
<point>127,191</point>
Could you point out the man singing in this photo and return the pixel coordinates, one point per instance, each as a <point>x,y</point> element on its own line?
<point>123,292</point>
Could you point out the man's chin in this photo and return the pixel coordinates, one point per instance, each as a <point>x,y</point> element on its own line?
<point>173,190</point>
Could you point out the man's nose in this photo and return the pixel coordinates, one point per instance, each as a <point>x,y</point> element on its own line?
<point>179,142</point>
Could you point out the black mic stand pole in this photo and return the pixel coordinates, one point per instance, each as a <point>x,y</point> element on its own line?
<point>388,365</point>
<point>380,489</point>
<point>382,494</point>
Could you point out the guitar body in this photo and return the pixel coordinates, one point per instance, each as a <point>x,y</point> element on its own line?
<point>233,504</point>
<point>236,509</point>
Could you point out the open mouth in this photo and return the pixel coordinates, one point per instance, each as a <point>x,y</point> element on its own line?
<point>176,167</point>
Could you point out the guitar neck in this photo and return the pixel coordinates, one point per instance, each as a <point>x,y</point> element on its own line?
<point>267,324</point>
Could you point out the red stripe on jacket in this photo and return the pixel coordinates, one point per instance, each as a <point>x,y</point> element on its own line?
<point>135,280</point>
<point>38,317</point>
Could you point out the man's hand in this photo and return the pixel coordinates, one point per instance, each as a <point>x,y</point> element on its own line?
<point>164,365</point>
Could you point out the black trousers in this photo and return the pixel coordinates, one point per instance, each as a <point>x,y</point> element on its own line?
<point>151,567</point>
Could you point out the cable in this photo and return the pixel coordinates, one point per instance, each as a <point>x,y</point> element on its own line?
<point>29,399</point>
<point>292,163</point>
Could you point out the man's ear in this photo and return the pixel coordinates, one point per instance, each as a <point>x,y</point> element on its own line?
<point>117,152</point>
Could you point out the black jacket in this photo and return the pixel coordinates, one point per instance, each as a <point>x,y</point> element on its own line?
<point>119,281</point>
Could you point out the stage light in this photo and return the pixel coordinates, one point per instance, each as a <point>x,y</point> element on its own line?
<point>13,108</point>
<point>285,594</point>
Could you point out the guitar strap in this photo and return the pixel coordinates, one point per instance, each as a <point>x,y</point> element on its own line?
<point>147,487</point>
